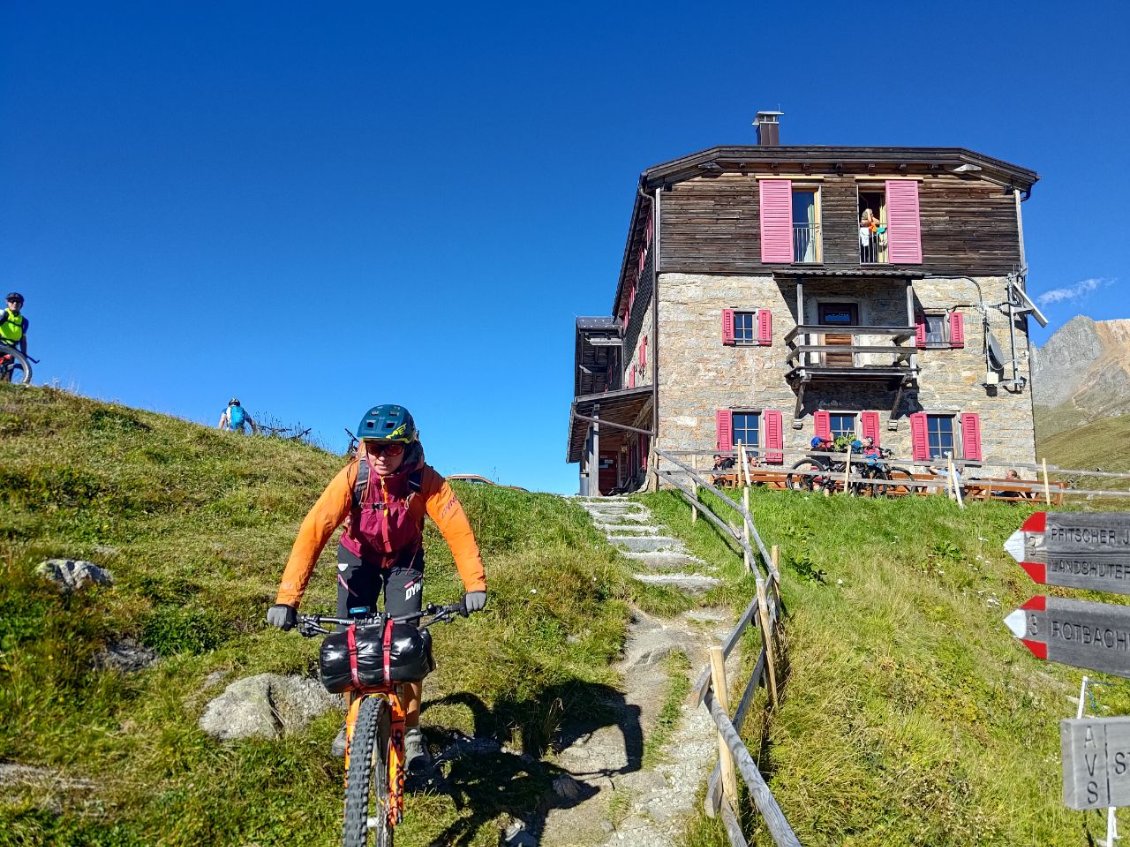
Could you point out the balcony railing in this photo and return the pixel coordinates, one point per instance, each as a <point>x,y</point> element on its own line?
<point>806,242</point>
<point>852,350</point>
<point>873,246</point>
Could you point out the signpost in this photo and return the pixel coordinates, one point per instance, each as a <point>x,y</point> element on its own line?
<point>1081,550</point>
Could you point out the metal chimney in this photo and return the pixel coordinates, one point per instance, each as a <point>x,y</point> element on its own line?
<point>768,129</point>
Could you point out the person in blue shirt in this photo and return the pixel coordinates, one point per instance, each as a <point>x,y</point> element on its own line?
<point>235,418</point>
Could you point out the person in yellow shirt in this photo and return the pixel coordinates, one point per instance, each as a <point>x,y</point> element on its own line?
<point>382,495</point>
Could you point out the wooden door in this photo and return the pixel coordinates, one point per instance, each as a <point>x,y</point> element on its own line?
<point>838,315</point>
<point>609,471</point>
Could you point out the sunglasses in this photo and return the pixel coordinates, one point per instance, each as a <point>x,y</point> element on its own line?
<point>378,449</point>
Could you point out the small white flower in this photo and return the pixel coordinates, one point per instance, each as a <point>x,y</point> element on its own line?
<point>533,591</point>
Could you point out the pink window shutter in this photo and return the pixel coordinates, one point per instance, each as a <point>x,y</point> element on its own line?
<point>631,378</point>
<point>904,224</point>
<point>643,353</point>
<point>971,437</point>
<point>920,332</point>
<point>774,437</point>
<point>919,441</point>
<point>724,425</point>
<point>822,424</point>
<point>869,421</point>
<point>957,329</point>
<point>765,327</point>
<point>728,326</point>
<point>776,220</point>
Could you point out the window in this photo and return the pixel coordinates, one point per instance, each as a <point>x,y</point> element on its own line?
<point>939,436</point>
<point>745,328</point>
<point>806,224</point>
<point>872,219</point>
<point>935,330</point>
<point>841,424</point>
<point>747,428</point>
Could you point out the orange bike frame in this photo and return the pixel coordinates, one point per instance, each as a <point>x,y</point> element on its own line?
<point>396,772</point>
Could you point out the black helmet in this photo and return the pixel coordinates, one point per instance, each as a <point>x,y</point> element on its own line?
<point>16,296</point>
<point>387,423</point>
<point>233,401</point>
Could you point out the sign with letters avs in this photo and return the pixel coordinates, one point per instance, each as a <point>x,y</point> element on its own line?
<point>1096,762</point>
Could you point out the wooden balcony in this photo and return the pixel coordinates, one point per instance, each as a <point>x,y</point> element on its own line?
<point>851,354</point>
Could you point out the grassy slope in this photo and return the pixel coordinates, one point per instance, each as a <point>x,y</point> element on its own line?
<point>1101,444</point>
<point>910,716</point>
<point>195,526</point>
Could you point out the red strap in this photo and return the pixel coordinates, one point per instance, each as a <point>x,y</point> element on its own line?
<point>351,643</point>
<point>387,649</point>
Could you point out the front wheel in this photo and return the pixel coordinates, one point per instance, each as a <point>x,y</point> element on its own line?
<point>14,366</point>
<point>806,475</point>
<point>366,789</point>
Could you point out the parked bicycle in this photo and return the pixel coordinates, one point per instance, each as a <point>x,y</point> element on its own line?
<point>370,657</point>
<point>879,470</point>
<point>15,367</point>
<point>823,473</point>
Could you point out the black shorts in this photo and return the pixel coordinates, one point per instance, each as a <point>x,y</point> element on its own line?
<point>359,586</point>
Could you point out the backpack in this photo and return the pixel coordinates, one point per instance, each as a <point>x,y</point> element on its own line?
<point>414,482</point>
<point>237,416</point>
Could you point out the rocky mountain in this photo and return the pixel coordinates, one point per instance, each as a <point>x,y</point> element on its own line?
<point>1081,374</point>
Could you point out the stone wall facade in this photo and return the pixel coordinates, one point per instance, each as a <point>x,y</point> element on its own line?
<point>699,375</point>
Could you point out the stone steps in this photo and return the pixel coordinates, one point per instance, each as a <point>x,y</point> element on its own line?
<point>691,583</point>
<point>645,543</point>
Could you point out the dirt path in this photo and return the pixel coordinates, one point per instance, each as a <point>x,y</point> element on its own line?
<point>632,804</point>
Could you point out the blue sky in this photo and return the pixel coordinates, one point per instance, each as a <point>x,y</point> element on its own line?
<point>319,209</point>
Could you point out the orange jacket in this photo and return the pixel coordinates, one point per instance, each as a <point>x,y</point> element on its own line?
<point>335,505</point>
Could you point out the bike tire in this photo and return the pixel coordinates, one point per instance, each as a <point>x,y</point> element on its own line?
<point>366,790</point>
<point>800,476</point>
<point>905,480</point>
<point>19,368</point>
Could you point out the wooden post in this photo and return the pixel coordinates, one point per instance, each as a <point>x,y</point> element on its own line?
<point>694,509</point>
<point>722,695</point>
<point>953,483</point>
<point>767,640</point>
<point>745,466</point>
<point>1047,489</point>
<point>775,558</point>
<point>745,528</point>
<point>847,472</point>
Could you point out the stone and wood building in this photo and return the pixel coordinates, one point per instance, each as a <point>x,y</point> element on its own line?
<point>770,293</point>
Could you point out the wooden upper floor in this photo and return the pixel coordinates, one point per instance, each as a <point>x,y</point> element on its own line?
<point>760,210</point>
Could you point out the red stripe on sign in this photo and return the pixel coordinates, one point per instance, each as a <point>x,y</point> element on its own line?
<point>1039,603</point>
<point>351,645</point>
<point>1037,570</point>
<point>1037,522</point>
<point>1039,649</point>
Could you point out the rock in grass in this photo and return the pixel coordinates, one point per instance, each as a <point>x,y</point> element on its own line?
<point>125,655</point>
<point>73,574</point>
<point>266,706</point>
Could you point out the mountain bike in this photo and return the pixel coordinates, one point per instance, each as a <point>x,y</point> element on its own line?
<point>15,367</point>
<point>879,470</point>
<point>816,473</point>
<point>375,771</point>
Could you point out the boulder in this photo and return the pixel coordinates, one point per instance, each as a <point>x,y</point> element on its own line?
<point>266,706</point>
<point>72,574</point>
<point>125,655</point>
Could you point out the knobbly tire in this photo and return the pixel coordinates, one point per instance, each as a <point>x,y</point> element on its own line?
<point>797,478</point>
<point>14,366</point>
<point>366,792</point>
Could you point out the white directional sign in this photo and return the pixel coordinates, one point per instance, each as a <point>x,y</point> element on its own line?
<point>1096,762</point>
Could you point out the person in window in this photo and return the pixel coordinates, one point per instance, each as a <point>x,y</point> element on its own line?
<point>382,496</point>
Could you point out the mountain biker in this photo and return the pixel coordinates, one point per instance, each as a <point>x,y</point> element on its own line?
<point>382,495</point>
<point>13,329</point>
<point>235,417</point>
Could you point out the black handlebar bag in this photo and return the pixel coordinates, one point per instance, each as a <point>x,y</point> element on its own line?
<point>374,654</point>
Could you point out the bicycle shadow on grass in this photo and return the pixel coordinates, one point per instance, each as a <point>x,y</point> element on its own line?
<point>482,775</point>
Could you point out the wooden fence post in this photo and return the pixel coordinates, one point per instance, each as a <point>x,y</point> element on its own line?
<point>745,529</point>
<point>1047,489</point>
<point>694,509</point>
<point>767,640</point>
<point>722,695</point>
<point>847,472</point>
<point>775,558</point>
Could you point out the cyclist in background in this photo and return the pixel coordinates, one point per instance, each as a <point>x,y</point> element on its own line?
<point>235,418</point>
<point>382,496</point>
<point>13,330</point>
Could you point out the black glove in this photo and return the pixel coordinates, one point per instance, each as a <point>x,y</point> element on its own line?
<point>473,601</point>
<point>282,616</point>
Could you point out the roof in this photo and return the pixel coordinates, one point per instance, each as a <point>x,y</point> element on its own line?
<point>617,407</point>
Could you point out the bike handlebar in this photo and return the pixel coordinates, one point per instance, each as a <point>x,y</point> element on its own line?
<point>311,625</point>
